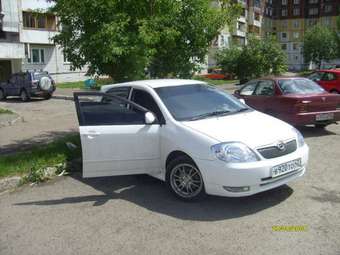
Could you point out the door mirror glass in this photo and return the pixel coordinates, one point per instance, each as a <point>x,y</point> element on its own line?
<point>150,118</point>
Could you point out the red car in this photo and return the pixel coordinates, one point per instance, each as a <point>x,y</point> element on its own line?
<point>298,101</point>
<point>328,79</point>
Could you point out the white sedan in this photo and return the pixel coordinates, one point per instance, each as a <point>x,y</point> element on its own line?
<point>198,139</point>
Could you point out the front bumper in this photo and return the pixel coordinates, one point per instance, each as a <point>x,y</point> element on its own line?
<point>218,175</point>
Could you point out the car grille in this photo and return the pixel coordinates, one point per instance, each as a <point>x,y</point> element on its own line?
<point>274,151</point>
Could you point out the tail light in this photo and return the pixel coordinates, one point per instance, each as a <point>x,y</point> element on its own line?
<point>302,106</point>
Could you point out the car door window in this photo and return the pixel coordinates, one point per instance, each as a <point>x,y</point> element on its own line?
<point>248,89</point>
<point>120,92</point>
<point>144,99</point>
<point>13,79</point>
<point>95,110</point>
<point>328,77</point>
<point>265,88</point>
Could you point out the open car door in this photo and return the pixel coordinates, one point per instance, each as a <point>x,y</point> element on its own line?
<point>115,137</point>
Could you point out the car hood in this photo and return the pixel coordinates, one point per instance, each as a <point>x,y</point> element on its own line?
<point>252,128</point>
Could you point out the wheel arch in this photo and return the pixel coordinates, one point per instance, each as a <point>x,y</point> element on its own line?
<point>334,90</point>
<point>175,154</point>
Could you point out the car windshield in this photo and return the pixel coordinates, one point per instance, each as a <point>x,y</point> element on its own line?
<point>299,86</point>
<point>198,101</point>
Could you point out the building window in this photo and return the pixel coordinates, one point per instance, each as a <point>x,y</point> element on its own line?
<point>37,56</point>
<point>296,11</point>
<point>241,26</point>
<point>284,24</point>
<point>284,2</point>
<point>39,21</point>
<point>284,46</point>
<point>295,46</point>
<point>296,24</point>
<point>313,11</point>
<point>313,1</point>
<point>283,35</point>
<point>312,22</point>
<point>327,21</point>
<point>296,2</point>
<point>284,12</point>
<point>257,3</point>
<point>328,8</point>
<point>256,16</point>
<point>296,35</point>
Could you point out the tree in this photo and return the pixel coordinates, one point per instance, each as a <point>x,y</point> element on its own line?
<point>255,59</point>
<point>123,38</point>
<point>319,45</point>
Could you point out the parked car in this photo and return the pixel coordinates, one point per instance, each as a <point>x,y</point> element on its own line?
<point>196,138</point>
<point>217,74</point>
<point>298,101</point>
<point>28,84</point>
<point>328,79</point>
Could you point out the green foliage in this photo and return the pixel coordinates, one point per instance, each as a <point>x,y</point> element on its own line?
<point>259,57</point>
<point>124,38</point>
<point>29,162</point>
<point>319,44</point>
<point>5,111</point>
<point>337,35</point>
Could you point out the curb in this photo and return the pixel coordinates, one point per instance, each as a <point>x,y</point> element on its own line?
<point>63,97</point>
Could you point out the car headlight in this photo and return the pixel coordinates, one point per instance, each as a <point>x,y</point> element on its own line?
<point>234,152</point>
<point>300,139</point>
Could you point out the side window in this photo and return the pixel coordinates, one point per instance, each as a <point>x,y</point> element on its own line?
<point>121,92</point>
<point>13,79</point>
<point>328,77</point>
<point>265,88</point>
<point>20,79</point>
<point>248,90</point>
<point>96,110</point>
<point>144,99</point>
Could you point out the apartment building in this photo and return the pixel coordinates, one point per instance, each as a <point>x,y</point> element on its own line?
<point>250,21</point>
<point>289,20</point>
<point>26,32</point>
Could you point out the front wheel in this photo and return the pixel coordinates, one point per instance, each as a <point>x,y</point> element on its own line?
<point>24,96</point>
<point>321,126</point>
<point>47,96</point>
<point>185,180</point>
<point>2,95</point>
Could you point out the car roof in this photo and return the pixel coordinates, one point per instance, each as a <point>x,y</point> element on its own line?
<point>156,83</point>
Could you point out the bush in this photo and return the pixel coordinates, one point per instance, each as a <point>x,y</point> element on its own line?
<point>257,58</point>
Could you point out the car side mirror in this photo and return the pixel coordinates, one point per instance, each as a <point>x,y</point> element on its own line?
<point>150,118</point>
<point>242,101</point>
<point>237,92</point>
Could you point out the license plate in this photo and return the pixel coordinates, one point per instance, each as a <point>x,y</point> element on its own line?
<point>288,167</point>
<point>324,116</point>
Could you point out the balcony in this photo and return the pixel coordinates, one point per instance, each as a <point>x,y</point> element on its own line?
<point>10,16</point>
<point>239,33</point>
<point>37,36</point>
<point>12,50</point>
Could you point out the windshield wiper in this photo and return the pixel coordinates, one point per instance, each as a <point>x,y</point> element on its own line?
<point>241,110</point>
<point>209,114</point>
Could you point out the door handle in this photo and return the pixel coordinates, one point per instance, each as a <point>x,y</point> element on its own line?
<point>91,134</point>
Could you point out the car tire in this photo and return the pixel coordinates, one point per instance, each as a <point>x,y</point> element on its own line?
<point>47,96</point>
<point>321,126</point>
<point>24,96</point>
<point>2,95</point>
<point>185,180</point>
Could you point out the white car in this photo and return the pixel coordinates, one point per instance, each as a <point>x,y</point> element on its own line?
<point>198,139</point>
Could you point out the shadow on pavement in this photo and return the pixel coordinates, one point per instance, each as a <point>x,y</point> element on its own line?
<point>315,132</point>
<point>17,100</point>
<point>25,144</point>
<point>152,194</point>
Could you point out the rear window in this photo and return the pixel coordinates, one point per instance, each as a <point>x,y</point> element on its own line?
<point>299,86</point>
<point>38,76</point>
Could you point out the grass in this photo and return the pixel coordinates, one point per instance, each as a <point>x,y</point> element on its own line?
<point>5,111</point>
<point>81,85</point>
<point>214,82</point>
<point>40,156</point>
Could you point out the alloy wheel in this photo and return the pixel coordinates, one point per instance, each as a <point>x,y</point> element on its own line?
<point>186,180</point>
